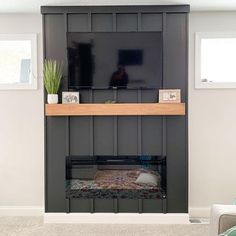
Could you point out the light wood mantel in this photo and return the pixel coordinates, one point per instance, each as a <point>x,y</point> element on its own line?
<point>118,109</point>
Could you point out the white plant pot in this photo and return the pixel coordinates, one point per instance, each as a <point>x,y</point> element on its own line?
<point>52,98</point>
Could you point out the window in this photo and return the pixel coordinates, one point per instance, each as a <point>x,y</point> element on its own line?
<point>18,61</point>
<point>215,60</point>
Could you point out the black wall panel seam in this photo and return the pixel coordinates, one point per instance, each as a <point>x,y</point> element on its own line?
<point>45,125</point>
<point>91,129</point>
<point>139,126</point>
<point>115,134</point>
<point>68,118</point>
<point>163,44</point>
<point>115,129</point>
<point>186,108</point>
<point>65,46</point>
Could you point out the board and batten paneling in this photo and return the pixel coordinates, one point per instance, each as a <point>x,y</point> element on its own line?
<point>78,22</point>
<point>79,136</point>
<point>102,23</point>
<point>56,128</point>
<point>175,57</point>
<point>55,165</point>
<point>119,135</point>
<point>151,22</point>
<point>127,22</point>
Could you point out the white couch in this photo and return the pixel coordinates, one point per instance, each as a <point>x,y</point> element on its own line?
<point>222,218</point>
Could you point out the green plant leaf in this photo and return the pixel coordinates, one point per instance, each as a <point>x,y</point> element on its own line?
<point>52,75</point>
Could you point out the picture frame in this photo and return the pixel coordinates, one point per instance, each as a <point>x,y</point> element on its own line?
<point>169,95</point>
<point>70,97</point>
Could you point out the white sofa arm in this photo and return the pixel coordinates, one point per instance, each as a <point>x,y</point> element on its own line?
<point>218,212</point>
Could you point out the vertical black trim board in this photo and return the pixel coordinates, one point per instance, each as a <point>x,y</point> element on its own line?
<point>163,71</point>
<point>175,58</point>
<point>66,63</point>
<point>139,125</point>
<point>115,128</point>
<point>89,22</point>
<point>186,109</point>
<point>45,122</point>
<point>91,129</point>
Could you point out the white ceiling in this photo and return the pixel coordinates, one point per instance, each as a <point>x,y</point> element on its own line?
<point>33,6</point>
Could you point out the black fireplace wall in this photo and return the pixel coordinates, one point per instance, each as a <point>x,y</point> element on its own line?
<point>119,135</point>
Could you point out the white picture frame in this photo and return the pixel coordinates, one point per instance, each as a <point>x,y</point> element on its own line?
<point>70,97</point>
<point>169,95</point>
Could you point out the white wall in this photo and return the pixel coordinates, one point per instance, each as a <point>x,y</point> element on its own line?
<point>21,132</point>
<point>212,128</point>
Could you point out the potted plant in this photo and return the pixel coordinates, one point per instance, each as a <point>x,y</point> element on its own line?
<point>52,74</point>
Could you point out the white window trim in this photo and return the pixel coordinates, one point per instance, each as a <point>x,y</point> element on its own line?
<point>206,35</point>
<point>33,39</point>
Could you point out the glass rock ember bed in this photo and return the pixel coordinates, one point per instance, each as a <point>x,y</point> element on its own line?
<point>116,177</point>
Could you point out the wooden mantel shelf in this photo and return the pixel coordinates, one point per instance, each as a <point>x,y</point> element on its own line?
<point>118,109</point>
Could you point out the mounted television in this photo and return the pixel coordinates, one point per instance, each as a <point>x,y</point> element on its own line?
<point>114,60</point>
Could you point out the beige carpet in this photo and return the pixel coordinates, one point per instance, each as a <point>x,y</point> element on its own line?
<point>33,226</point>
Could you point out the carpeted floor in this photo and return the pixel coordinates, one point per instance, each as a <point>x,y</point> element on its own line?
<point>33,226</point>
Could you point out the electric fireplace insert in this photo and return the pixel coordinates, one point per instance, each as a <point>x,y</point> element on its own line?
<point>116,178</point>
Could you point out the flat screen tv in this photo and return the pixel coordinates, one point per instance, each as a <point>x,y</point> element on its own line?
<point>114,60</point>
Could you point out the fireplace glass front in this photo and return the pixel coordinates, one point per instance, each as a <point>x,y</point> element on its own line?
<point>116,177</point>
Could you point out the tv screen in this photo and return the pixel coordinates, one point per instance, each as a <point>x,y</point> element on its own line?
<point>120,60</point>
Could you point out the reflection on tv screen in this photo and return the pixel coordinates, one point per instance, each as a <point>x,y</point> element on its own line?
<point>120,60</point>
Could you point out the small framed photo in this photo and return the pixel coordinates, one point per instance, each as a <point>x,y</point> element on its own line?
<point>169,96</point>
<point>70,97</point>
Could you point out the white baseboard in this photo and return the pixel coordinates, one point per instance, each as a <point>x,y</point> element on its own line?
<point>197,212</point>
<point>194,212</point>
<point>119,218</point>
<point>21,211</point>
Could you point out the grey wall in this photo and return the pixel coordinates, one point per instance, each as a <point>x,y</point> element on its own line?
<point>212,127</point>
<point>22,132</point>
